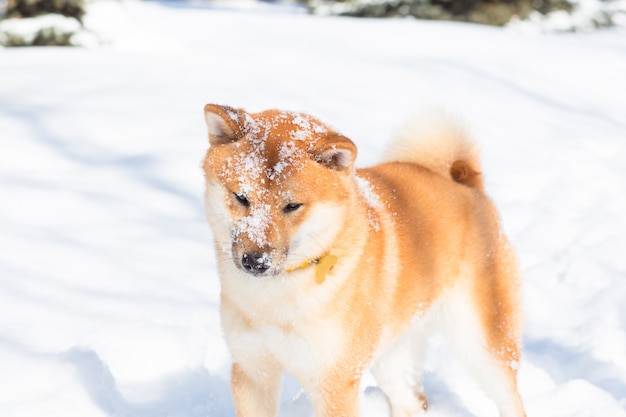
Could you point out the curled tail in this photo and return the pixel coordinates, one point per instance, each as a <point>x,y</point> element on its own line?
<point>435,142</point>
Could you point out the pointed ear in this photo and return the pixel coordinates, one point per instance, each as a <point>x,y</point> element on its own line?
<point>224,123</point>
<point>336,152</point>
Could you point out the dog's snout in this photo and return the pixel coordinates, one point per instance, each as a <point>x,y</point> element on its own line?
<point>255,262</point>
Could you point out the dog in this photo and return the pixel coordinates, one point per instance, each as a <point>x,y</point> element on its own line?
<point>327,271</point>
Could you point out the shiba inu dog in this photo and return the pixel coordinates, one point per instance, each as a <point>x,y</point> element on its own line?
<point>327,270</point>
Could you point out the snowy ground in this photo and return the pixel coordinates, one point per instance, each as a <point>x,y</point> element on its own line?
<point>108,288</point>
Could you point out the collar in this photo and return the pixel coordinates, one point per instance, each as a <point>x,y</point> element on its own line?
<point>323,265</point>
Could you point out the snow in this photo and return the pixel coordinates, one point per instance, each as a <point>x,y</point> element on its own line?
<point>255,225</point>
<point>108,283</point>
<point>371,199</point>
<point>367,192</point>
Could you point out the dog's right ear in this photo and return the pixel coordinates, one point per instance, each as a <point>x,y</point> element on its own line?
<point>224,123</point>
<point>335,151</point>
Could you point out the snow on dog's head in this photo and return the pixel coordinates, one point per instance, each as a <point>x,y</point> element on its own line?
<point>275,181</point>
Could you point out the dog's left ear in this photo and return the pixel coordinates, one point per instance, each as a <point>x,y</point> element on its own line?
<point>224,123</point>
<point>335,151</point>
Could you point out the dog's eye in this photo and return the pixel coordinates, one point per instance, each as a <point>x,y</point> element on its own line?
<point>242,200</point>
<point>291,207</point>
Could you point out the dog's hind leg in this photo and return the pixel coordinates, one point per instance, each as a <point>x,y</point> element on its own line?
<point>490,358</point>
<point>398,373</point>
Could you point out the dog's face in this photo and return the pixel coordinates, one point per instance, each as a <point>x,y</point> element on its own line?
<point>277,184</point>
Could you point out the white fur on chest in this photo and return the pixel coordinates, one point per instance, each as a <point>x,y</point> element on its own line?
<point>283,322</point>
<point>304,347</point>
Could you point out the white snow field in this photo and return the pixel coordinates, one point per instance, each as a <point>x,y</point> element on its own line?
<point>108,288</point>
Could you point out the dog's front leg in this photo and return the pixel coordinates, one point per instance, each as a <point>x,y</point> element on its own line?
<point>255,393</point>
<point>337,398</point>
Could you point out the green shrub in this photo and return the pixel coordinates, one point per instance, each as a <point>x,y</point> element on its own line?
<point>45,37</point>
<point>32,8</point>
<point>47,34</point>
<point>491,12</point>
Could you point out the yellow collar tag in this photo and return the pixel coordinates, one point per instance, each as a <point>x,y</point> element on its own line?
<point>322,266</point>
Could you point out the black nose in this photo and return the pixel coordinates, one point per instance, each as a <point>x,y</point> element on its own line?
<point>256,263</point>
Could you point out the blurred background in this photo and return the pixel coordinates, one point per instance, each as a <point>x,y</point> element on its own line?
<point>64,18</point>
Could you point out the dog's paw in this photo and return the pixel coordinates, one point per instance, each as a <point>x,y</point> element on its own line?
<point>417,406</point>
<point>423,400</point>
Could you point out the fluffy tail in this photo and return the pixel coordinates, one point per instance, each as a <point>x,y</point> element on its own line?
<point>435,142</point>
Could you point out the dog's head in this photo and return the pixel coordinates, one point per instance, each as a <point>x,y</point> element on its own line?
<point>277,187</point>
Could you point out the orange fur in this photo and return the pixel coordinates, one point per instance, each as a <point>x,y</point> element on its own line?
<point>416,240</point>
